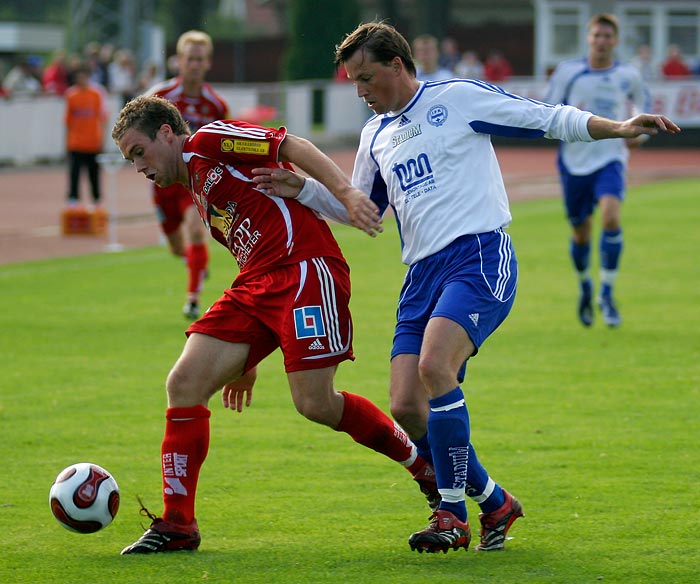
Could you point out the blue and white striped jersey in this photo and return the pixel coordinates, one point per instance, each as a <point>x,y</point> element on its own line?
<point>617,92</point>
<point>433,161</point>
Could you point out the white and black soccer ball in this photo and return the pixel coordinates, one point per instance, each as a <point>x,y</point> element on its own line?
<point>84,497</point>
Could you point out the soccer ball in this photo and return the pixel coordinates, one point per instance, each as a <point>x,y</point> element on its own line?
<point>84,497</point>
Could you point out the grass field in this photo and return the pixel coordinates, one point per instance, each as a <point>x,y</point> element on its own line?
<point>595,430</point>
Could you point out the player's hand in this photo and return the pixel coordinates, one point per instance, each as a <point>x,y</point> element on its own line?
<point>362,211</point>
<point>278,182</point>
<point>647,124</point>
<point>233,393</point>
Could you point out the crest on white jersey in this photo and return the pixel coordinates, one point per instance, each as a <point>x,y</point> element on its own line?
<point>437,115</point>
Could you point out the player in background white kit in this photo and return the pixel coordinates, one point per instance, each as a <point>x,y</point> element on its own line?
<point>594,174</point>
<point>428,154</point>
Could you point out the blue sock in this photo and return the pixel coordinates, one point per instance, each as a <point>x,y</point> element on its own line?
<point>448,431</point>
<point>611,244</point>
<point>580,256</point>
<point>481,488</point>
<point>423,447</point>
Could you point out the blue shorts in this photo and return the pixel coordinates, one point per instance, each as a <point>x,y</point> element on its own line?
<point>581,193</point>
<point>472,282</point>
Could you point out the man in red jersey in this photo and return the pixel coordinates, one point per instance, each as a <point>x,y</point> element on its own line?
<point>292,292</point>
<point>199,104</point>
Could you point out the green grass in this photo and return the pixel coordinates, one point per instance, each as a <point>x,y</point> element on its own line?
<point>595,430</point>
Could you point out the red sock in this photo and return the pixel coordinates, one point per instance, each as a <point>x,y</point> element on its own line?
<point>369,426</point>
<point>184,449</point>
<point>197,259</point>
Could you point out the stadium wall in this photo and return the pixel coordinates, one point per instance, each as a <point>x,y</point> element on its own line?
<point>327,113</point>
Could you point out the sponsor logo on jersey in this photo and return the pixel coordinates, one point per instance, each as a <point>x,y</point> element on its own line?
<point>474,318</point>
<point>404,121</point>
<point>220,219</point>
<point>251,147</point>
<point>407,134</point>
<point>437,115</point>
<point>317,345</point>
<point>413,173</point>
<point>308,322</point>
<point>243,239</point>
<point>226,145</point>
<point>213,176</point>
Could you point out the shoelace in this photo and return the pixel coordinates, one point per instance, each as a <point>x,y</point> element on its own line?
<point>144,512</point>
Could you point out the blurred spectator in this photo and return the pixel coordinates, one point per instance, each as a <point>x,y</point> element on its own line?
<point>149,76</point>
<point>449,54</point>
<point>469,66</point>
<point>3,92</point>
<point>341,75</point>
<point>642,60</point>
<point>497,67</point>
<point>24,78</point>
<point>426,56</point>
<point>91,58</point>
<point>173,66</point>
<point>675,65</point>
<point>85,119</point>
<point>97,57</point>
<point>73,63</point>
<point>105,57</point>
<point>122,75</point>
<point>54,79</point>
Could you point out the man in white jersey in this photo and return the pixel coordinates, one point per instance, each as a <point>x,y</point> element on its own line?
<point>594,174</point>
<point>428,154</point>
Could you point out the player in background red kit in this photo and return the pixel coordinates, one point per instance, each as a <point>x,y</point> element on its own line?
<point>292,292</point>
<point>199,104</point>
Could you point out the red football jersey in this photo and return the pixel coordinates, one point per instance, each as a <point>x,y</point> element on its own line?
<point>261,231</point>
<point>197,111</point>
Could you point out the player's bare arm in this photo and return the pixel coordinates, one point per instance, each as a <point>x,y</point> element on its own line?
<point>363,213</point>
<point>642,124</point>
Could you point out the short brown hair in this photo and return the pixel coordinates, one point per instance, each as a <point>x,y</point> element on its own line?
<point>382,41</point>
<point>607,19</point>
<point>146,114</point>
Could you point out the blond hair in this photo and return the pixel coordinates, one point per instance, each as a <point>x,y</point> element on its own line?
<point>196,37</point>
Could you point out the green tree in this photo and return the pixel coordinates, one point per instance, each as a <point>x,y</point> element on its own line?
<point>178,16</point>
<point>315,28</point>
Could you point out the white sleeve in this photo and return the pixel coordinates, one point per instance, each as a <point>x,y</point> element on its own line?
<point>317,197</point>
<point>569,124</point>
<point>499,113</point>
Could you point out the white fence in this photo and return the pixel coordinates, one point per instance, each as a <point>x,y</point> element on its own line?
<point>32,130</point>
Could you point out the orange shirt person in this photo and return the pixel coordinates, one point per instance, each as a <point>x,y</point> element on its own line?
<point>85,119</point>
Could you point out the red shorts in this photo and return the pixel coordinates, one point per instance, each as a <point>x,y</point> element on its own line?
<point>302,308</point>
<point>171,203</point>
